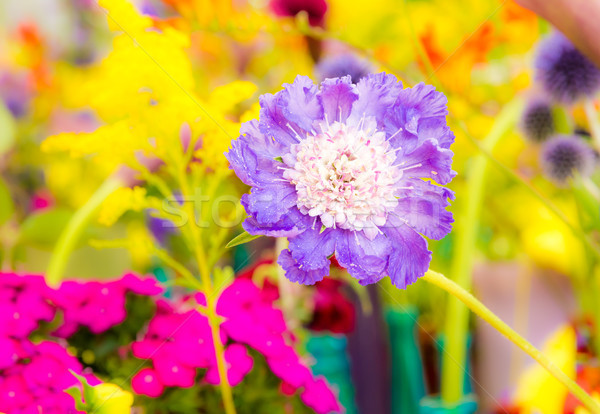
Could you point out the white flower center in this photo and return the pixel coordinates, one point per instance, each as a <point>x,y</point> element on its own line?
<point>345,175</point>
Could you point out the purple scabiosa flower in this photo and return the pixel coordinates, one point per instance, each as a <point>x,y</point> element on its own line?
<point>343,65</point>
<point>537,121</point>
<point>566,74</point>
<point>563,155</point>
<point>340,170</point>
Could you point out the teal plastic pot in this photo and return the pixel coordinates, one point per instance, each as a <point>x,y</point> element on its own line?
<point>407,382</point>
<point>161,275</point>
<point>434,405</point>
<point>331,361</point>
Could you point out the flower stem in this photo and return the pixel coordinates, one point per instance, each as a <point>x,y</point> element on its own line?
<point>457,317</point>
<point>484,313</point>
<point>213,319</point>
<point>72,233</point>
<point>592,116</point>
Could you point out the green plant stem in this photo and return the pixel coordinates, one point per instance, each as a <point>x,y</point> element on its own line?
<point>484,313</point>
<point>178,267</point>
<point>592,117</point>
<point>72,233</point>
<point>457,317</point>
<point>197,246</point>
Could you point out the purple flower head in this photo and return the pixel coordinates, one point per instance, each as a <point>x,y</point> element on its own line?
<point>339,169</point>
<point>566,74</point>
<point>537,121</point>
<point>343,65</point>
<point>563,155</point>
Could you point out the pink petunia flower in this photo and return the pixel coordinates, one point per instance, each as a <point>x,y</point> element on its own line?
<point>146,382</point>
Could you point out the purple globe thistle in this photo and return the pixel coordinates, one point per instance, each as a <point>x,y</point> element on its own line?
<point>566,74</point>
<point>343,65</point>
<point>339,170</point>
<point>537,121</point>
<point>563,155</point>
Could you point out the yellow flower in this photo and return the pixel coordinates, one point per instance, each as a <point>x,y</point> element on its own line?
<point>550,243</point>
<point>122,16</point>
<point>583,410</point>
<point>110,399</point>
<point>144,90</point>
<point>140,245</point>
<point>121,201</point>
<point>537,390</point>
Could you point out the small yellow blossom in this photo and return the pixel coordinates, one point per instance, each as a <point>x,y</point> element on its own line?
<point>111,399</point>
<point>537,390</point>
<point>121,201</point>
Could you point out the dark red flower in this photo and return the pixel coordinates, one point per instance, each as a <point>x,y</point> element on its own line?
<point>333,312</point>
<point>315,9</point>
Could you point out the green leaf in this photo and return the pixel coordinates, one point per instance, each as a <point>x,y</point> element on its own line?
<point>587,202</point>
<point>7,129</point>
<point>243,238</point>
<point>7,207</point>
<point>42,229</point>
<point>75,392</point>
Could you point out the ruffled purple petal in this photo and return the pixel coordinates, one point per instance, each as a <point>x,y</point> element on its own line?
<point>337,96</point>
<point>409,258</point>
<point>435,129</point>
<point>295,274</point>
<point>290,223</point>
<point>290,113</point>
<point>364,259</point>
<point>418,115</point>
<point>376,94</point>
<point>424,208</point>
<point>428,161</point>
<point>422,101</point>
<point>252,156</point>
<point>286,227</point>
<point>311,249</point>
<point>269,203</point>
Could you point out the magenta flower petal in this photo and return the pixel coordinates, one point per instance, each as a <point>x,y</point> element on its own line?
<point>146,382</point>
<point>288,367</point>
<point>14,394</point>
<point>319,397</point>
<point>239,363</point>
<point>8,353</point>
<point>173,374</point>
